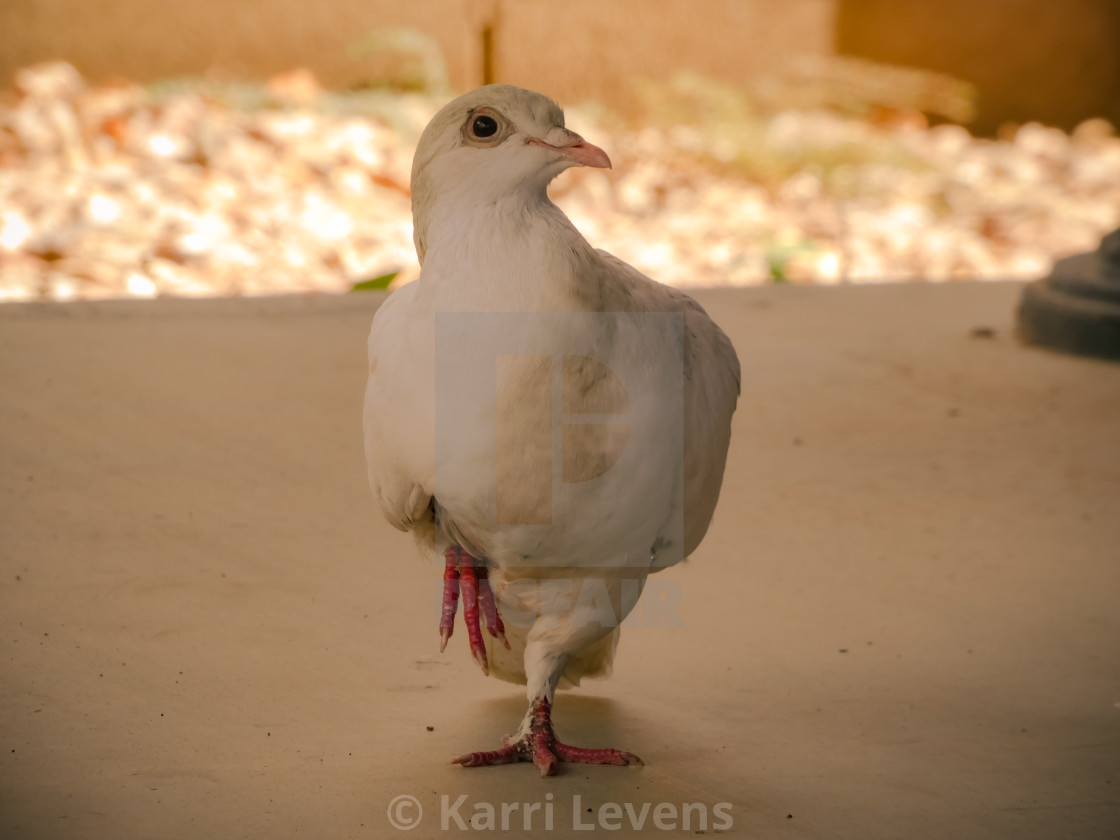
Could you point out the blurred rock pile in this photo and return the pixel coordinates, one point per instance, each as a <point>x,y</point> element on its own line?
<point>195,188</point>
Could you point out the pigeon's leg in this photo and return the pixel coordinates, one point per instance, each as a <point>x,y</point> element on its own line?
<point>468,583</point>
<point>450,596</point>
<point>537,743</point>
<point>490,615</point>
<point>461,575</point>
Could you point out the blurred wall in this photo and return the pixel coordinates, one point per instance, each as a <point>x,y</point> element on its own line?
<point>584,48</point>
<point>1058,62</point>
<point>1054,61</point>
<point>151,39</point>
<point>572,49</point>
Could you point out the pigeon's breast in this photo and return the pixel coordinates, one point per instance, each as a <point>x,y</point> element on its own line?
<point>559,436</point>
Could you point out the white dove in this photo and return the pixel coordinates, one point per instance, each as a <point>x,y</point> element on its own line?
<point>550,421</point>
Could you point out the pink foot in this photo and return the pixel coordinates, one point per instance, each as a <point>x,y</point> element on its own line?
<point>541,747</point>
<point>461,575</point>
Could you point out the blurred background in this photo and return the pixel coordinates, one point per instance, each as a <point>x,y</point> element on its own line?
<point>264,147</point>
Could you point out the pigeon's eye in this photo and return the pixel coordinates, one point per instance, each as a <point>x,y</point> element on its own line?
<point>484,126</point>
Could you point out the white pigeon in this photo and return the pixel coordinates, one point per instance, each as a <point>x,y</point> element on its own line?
<point>545,418</point>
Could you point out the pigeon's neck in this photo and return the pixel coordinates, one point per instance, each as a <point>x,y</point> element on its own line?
<point>519,252</point>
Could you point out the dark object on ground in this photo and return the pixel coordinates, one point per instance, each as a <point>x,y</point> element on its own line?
<point>1077,308</point>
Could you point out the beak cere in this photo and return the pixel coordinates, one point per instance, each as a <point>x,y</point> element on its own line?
<point>574,148</point>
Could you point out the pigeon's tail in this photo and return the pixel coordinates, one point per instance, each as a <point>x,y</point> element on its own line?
<point>509,665</point>
<point>438,529</point>
<point>593,662</point>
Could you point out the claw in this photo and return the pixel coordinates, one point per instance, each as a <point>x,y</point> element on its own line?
<point>539,745</point>
<point>543,756</point>
<point>489,607</point>
<point>450,596</point>
<point>468,582</point>
<point>460,576</point>
<point>506,755</point>
<point>579,755</point>
<point>480,658</point>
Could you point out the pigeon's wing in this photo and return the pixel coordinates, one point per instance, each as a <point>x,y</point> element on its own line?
<point>398,413</point>
<point>711,388</point>
<point>712,382</point>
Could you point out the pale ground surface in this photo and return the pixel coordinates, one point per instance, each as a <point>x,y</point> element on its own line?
<point>903,623</point>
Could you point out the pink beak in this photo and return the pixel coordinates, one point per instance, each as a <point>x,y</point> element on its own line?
<point>576,149</point>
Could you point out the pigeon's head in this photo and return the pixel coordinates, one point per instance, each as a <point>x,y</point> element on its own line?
<point>493,142</point>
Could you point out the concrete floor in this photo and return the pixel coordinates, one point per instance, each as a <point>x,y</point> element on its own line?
<point>904,623</point>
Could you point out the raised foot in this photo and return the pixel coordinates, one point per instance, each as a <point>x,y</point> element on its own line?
<point>460,574</point>
<point>539,745</point>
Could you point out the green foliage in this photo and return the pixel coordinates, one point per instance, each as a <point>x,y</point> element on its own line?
<point>780,255</point>
<point>375,284</point>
